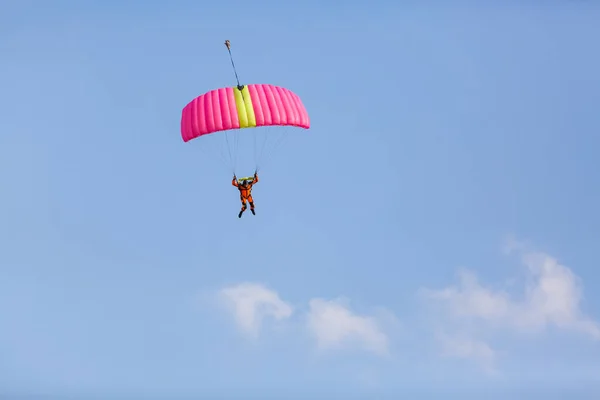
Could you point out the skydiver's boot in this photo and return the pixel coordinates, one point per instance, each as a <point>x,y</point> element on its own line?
<point>240,214</point>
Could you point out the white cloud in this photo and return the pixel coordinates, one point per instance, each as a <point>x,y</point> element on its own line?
<point>251,302</point>
<point>466,348</point>
<point>552,297</point>
<point>334,326</point>
<point>555,297</point>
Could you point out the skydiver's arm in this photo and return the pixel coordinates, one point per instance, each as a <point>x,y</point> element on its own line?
<point>234,182</point>
<point>255,179</point>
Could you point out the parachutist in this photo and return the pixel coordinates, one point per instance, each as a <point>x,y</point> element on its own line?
<point>245,188</point>
<point>227,110</point>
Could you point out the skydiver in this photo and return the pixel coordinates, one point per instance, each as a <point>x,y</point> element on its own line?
<point>245,188</point>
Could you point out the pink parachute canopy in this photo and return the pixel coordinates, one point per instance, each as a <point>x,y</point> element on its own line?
<point>231,108</point>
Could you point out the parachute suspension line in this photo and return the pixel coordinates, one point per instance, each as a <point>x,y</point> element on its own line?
<point>271,149</point>
<point>237,146</point>
<point>268,133</point>
<point>258,135</point>
<point>222,158</point>
<point>231,161</point>
<point>257,152</point>
<point>254,149</point>
<point>264,142</point>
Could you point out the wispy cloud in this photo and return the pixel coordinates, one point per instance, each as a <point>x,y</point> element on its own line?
<point>552,297</point>
<point>251,303</point>
<point>467,313</point>
<point>334,325</point>
<point>330,322</point>
<point>468,348</point>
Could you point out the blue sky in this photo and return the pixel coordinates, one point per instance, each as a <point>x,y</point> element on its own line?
<point>433,235</point>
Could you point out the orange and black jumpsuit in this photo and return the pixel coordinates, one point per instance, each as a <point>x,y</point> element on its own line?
<point>246,192</point>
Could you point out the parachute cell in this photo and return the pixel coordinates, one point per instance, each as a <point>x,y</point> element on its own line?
<point>231,108</point>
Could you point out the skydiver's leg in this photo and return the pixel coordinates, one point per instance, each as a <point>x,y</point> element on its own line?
<point>243,207</point>
<point>251,201</point>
